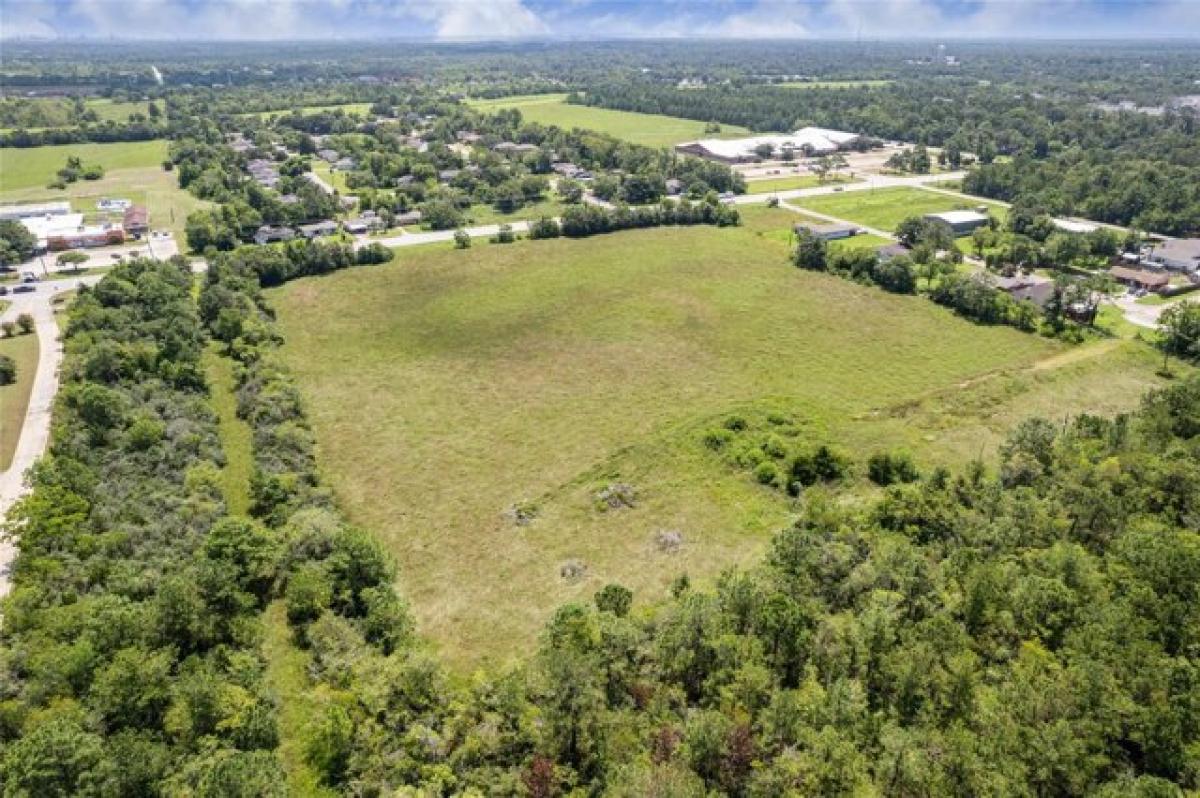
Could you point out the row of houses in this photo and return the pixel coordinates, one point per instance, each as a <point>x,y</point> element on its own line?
<point>366,222</point>
<point>264,172</point>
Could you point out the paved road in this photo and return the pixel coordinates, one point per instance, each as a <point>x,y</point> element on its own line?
<point>35,432</point>
<point>433,236</point>
<point>159,247</point>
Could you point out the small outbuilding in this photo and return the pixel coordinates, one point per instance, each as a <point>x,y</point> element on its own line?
<point>826,232</point>
<point>961,222</point>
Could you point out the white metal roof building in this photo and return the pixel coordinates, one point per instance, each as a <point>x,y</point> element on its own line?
<point>961,222</point>
<point>810,139</point>
<point>35,209</point>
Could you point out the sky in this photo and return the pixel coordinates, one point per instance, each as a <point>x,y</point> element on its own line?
<point>487,20</point>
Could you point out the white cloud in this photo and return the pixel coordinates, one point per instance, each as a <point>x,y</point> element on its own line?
<point>27,19</point>
<point>461,20</point>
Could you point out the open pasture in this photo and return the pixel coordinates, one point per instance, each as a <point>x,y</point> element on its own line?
<point>34,167</point>
<point>450,386</point>
<point>885,208</point>
<point>651,130</point>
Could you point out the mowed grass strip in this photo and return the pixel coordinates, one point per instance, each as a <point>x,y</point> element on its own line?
<point>28,167</point>
<point>449,385</point>
<point>14,399</point>
<point>885,208</point>
<point>651,130</point>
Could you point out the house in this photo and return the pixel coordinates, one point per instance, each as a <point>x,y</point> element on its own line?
<point>318,229</point>
<point>289,199</point>
<point>1140,278</point>
<point>407,218</point>
<point>328,155</point>
<point>467,136</point>
<point>346,165</point>
<point>365,223</point>
<point>446,175</point>
<point>826,232</point>
<point>405,180</point>
<point>674,187</point>
<point>1039,293</point>
<point>960,222</point>
<point>889,251</point>
<point>1179,254</point>
<point>67,231</point>
<point>565,168</point>
<point>136,221</point>
<point>268,234</point>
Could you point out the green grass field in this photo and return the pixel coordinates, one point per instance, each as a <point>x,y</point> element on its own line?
<point>487,214</point>
<point>791,182</point>
<point>448,386</point>
<point>360,109</point>
<point>885,208</point>
<point>14,399</point>
<point>36,166</point>
<point>334,178</point>
<point>145,184</point>
<point>651,130</point>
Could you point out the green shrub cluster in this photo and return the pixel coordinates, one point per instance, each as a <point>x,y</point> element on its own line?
<point>773,453</point>
<point>579,221</point>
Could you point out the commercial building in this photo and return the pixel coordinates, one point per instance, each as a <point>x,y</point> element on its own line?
<point>1179,254</point>
<point>961,222</point>
<point>32,210</point>
<point>67,231</point>
<point>804,142</point>
<point>827,232</point>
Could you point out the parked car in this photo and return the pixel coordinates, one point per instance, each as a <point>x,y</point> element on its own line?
<point>24,289</point>
<point>3,290</point>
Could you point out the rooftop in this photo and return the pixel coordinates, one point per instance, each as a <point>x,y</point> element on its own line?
<point>958,217</point>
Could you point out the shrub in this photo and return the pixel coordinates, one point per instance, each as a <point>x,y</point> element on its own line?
<point>8,370</point>
<point>735,423</point>
<point>885,469</point>
<point>766,473</point>
<point>25,323</point>
<point>504,236</point>
<point>717,439</point>
<point>614,598</point>
<point>544,227</point>
<point>462,239</point>
<point>10,329</point>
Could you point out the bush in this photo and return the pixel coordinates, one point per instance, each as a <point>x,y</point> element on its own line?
<point>717,439</point>
<point>25,323</point>
<point>462,239</point>
<point>614,598</point>
<point>735,423</point>
<point>8,370</point>
<point>10,329</point>
<point>885,469</point>
<point>766,473</point>
<point>504,236</point>
<point>544,227</point>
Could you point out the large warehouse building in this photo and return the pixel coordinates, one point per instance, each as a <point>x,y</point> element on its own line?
<point>806,141</point>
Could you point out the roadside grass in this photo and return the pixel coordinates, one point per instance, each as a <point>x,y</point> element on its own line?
<point>834,84</point>
<point>149,185</point>
<point>651,130</point>
<point>30,167</point>
<point>1111,319</point>
<point>235,434</point>
<point>864,241</point>
<point>447,386</point>
<point>788,183</point>
<point>480,214</point>
<point>885,208</point>
<point>14,399</point>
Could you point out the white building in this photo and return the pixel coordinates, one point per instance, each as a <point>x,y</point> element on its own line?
<point>808,140</point>
<point>37,209</point>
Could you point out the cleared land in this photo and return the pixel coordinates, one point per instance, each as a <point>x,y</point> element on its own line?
<point>448,386</point>
<point>28,167</point>
<point>788,183</point>
<point>652,130</point>
<point>14,399</point>
<point>887,207</point>
<point>136,175</point>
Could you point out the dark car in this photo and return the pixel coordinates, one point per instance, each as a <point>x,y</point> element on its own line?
<point>3,290</point>
<point>24,289</point>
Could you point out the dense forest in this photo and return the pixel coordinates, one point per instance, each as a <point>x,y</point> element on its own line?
<point>1028,630</point>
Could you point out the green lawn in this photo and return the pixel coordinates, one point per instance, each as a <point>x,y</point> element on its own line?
<point>865,241</point>
<point>14,399</point>
<point>236,436</point>
<point>651,130</point>
<point>29,167</point>
<point>887,207</point>
<point>788,183</point>
<point>359,109</point>
<point>447,386</point>
<point>487,214</point>
<point>334,178</point>
<point>833,84</point>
